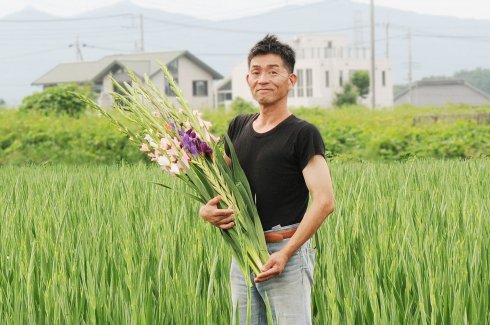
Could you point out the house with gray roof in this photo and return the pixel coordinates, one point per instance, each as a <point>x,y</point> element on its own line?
<point>194,77</point>
<point>438,93</point>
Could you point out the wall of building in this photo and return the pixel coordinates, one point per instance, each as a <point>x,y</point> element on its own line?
<point>189,72</point>
<point>322,53</point>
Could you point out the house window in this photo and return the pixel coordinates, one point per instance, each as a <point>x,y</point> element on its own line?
<point>98,87</point>
<point>309,83</point>
<point>200,88</point>
<point>173,68</point>
<point>327,79</point>
<point>168,91</point>
<point>224,96</point>
<point>383,78</point>
<point>300,91</point>
<point>341,78</point>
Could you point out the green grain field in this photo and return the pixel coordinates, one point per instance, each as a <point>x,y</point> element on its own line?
<point>409,243</point>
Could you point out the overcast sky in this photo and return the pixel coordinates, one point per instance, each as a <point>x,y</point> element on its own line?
<point>219,9</point>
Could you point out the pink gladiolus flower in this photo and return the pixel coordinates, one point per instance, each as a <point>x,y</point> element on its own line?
<point>172,152</point>
<point>164,143</point>
<point>144,147</point>
<point>176,141</point>
<point>185,159</point>
<point>154,155</point>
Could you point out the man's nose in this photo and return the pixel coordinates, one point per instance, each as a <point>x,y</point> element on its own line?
<point>263,78</point>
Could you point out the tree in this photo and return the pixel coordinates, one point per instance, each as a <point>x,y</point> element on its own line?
<point>358,87</point>
<point>58,100</point>
<point>2,102</point>
<point>348,96</point>
<point>398,89</point>
<point>360,79</point>
<point>241,106</point>
<point>479,78</point>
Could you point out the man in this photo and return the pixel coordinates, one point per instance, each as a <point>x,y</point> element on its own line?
<point>283,158</point>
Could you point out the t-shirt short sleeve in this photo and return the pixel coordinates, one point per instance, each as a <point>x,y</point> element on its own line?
<point>309,144</point>
<point>235,127</point>
<point>231,134</point>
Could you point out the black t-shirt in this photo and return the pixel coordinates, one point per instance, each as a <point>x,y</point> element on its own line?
<point>273,162</point>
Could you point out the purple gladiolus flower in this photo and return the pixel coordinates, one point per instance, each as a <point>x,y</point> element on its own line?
<point>189,144</point>
<point>193,144</point>
<point>206,149</point>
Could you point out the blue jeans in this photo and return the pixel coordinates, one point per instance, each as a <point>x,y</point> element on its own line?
<point>289,293</point>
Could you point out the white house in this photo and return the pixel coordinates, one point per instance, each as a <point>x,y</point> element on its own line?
<point>438,93</point>
<point>324,63</point>
<point>193,76</point>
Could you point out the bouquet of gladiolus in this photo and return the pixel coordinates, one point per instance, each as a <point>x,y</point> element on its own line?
<point>179,141</point>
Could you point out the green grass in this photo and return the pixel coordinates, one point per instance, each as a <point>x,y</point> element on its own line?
<point>408,244</point>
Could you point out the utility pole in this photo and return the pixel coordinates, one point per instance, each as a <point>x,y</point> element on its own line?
<point>142,34</point>
<point>409,36</point>
<point>373,62</point>
<point>78,50</point>
<point>387,41</point>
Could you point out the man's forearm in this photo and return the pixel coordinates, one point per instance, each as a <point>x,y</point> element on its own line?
<point>312,220</point>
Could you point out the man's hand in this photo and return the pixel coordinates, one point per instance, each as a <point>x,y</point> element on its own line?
<point>221,218</point>
<point>274,266</point>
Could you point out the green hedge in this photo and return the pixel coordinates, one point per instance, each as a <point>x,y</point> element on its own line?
<point>353,133</point>
<point>33,138</point>
<point>357,133</point>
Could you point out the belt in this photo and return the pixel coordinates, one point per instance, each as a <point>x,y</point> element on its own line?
<point>279,235</point>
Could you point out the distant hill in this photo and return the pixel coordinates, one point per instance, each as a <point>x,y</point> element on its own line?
<point>29,47</point>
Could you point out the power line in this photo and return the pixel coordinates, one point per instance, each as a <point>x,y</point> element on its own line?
<point>425,33</point>
<point>32,53</point>
<point>108,48</point>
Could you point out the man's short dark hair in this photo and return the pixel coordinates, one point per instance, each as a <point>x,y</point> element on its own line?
<point>271,45</point>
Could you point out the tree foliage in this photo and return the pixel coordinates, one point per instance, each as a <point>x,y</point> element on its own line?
<point>360,79</point>
<point>358,87</point>
<point>348,96</point>
<point>58,100</point>
<point>241,106</point>
<point>479,78</point>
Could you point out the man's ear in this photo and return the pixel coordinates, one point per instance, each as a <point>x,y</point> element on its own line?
<point>292,80</point>
<point>246,77</point>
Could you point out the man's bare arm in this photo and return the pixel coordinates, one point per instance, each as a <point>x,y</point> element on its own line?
<point>319,183</point>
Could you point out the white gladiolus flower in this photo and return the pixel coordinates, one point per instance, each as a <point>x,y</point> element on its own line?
<point>174,169</point>
<point>163,161</point>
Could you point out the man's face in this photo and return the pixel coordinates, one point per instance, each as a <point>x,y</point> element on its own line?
<point>268,79</point>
